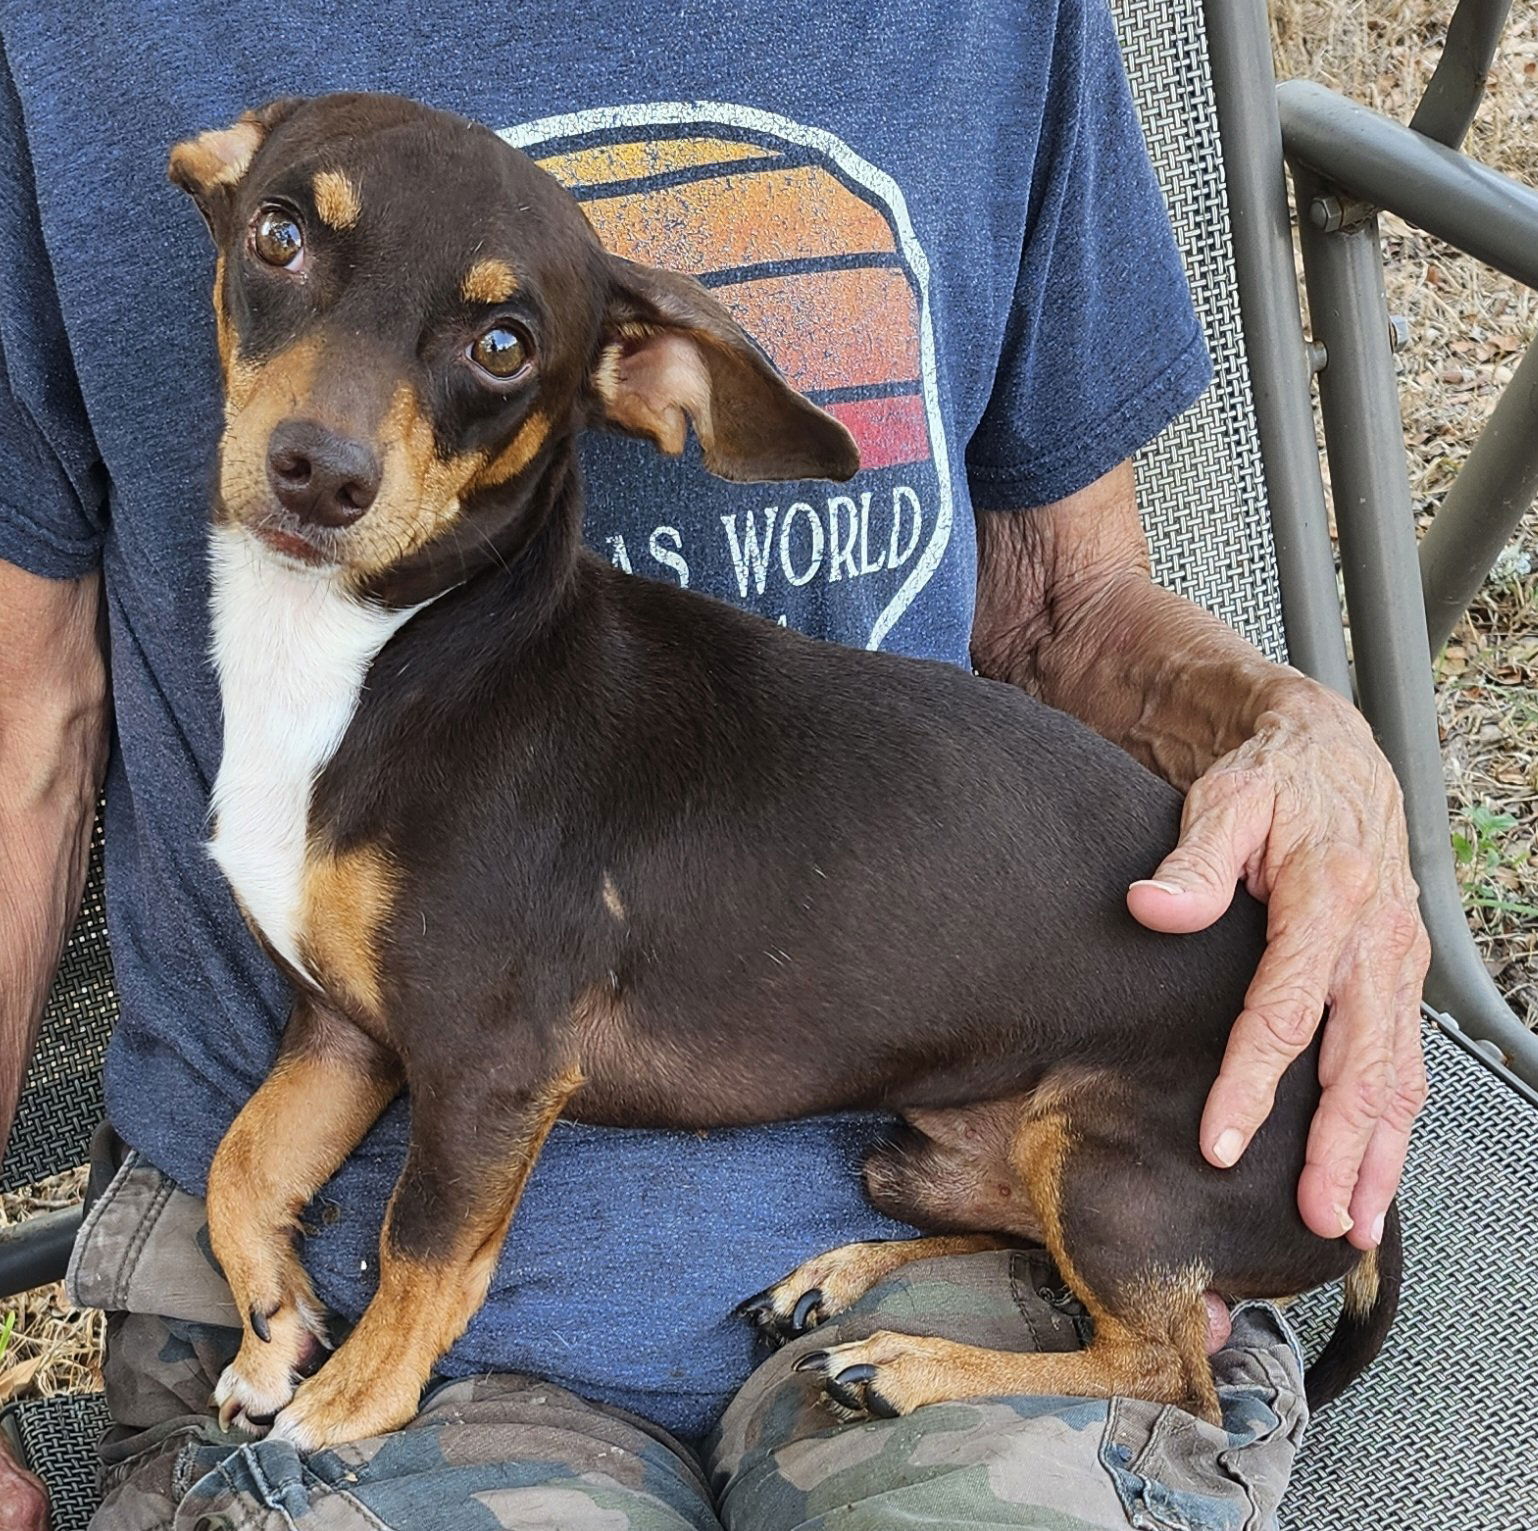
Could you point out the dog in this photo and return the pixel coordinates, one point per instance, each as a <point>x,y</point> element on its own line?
<point>533,837</point>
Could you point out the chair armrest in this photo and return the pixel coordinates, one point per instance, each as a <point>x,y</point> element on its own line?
<point>36,1252</point>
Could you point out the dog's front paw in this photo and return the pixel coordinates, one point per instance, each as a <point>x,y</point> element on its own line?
<point>336,1406</point>
<point>276,1353</point>
<point>886,1375</point>
<point>817,1290</point>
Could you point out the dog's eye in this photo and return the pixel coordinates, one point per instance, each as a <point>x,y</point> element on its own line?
<point>501,352</point>
<point>276,239</point>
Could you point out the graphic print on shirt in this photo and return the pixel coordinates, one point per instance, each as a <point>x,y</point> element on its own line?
<point>811,250</point>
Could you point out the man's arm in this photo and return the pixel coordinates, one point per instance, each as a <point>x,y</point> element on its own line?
<point>1286,790</point>
<point>53,746</point>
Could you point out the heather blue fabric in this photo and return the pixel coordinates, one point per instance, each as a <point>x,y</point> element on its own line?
<point>1040,332</point>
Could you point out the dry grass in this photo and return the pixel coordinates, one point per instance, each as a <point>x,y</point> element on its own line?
<point>1468,329</point>
<point>53,1347</point>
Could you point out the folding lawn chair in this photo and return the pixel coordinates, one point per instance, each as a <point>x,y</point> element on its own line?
<point>1441,1432</point>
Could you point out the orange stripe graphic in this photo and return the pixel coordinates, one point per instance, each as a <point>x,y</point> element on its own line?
<point>832,329</point>
<point>740,219</point>
<point>628,162</point>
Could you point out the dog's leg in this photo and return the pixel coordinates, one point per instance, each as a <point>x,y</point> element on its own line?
<point>326,1089</point>
<point>471,1153</point>
<point>1150,1323</point>
<point>828,1284</point>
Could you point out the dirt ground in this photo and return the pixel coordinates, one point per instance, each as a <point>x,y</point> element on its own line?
<point>1468,328</point>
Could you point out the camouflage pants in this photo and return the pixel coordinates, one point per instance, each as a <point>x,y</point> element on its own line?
<point>511,1451</point>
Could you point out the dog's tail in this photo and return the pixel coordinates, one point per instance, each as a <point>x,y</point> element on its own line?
<point>1372,1298</point>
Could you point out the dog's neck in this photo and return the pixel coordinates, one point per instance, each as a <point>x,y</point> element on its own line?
<point>293,646</point>
<point>527,537</point>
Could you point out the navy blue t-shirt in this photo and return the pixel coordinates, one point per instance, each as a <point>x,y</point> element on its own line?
<point>939,221</point>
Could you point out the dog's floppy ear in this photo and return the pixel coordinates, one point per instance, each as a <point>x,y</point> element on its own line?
<point>671,354</point>
<point>210,166</point>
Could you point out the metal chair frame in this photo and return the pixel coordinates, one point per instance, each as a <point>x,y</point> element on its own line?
<point>1347,163</point>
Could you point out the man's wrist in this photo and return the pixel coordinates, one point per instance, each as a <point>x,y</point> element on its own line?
<point>1068,610</point>
<point>1166,680</point>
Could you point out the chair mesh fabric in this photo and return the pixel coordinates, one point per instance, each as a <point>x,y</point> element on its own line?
<point>58,1439</point>
<point>1200,485</point>
<point>62,1103</point>
<point>1438,1432</point>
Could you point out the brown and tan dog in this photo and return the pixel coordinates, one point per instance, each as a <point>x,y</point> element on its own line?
<point>533,837</point>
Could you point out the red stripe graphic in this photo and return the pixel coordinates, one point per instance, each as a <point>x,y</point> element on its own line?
<point>888,431</point>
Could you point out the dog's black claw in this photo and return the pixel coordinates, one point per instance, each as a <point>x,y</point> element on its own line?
<point>806,1305</point>
<point>848,1399</point>
<point>759,1311</point>
<point>860,1373</point>
<point>812,1361</point>
<point>851,1390</point>
<point>755,1307</point>
<point>847,1388</point>
<point>259,1326</point>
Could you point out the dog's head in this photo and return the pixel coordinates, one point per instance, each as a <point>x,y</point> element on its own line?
<point>412,318</point>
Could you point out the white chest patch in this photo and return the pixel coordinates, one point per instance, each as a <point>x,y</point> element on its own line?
<point>291,648</point>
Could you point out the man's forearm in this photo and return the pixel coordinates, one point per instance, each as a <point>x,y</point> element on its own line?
<point>52,749</point>
<point>1077,621</point>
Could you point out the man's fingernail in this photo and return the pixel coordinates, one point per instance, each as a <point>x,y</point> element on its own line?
<point>1229,1146</point>
<point>1344,1218</point>
<point>1163,887</point>
<point>1377,1230</point>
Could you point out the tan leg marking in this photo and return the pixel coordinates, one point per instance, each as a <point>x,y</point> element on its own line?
<point>913,1370</point>
<point>842,1276</point>
<point>286,1143</point>
<point>336,199</point>
<point>373,1383</point>
<point>347,898</point>
<point>1153,1348</point>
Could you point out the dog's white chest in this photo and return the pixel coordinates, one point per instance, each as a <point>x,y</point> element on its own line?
<point>291,648</point>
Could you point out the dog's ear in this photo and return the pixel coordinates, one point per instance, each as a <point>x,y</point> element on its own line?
<point>671,354</point>
<point>209,167</point>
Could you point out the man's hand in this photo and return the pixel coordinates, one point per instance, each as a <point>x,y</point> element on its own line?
<point>23,1499</point>
<point>1308,814</point>
<point>1286,791</point>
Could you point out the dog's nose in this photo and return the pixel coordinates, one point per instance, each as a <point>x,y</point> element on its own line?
<point>325,479</point>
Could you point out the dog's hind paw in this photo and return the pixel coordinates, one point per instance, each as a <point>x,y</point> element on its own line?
<point>829,1284</point>
<point>849,1387</point>
<point>887,1375</point>
<point>780,1318</point>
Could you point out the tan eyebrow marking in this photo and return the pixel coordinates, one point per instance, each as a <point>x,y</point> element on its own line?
<point>489,281</point>
<point>336,199</point>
